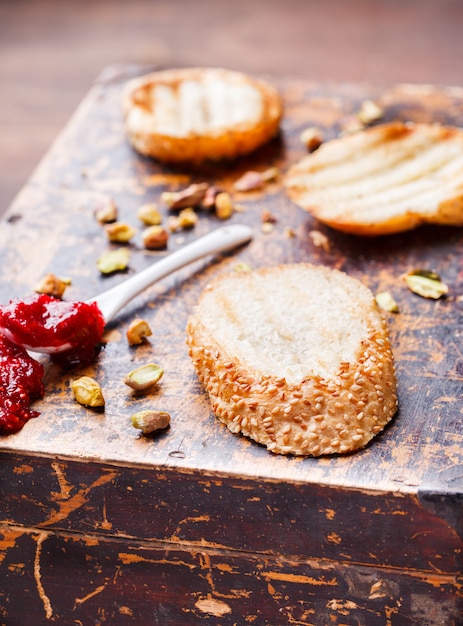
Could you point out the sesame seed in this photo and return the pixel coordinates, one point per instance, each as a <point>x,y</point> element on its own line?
<point>360,416</point>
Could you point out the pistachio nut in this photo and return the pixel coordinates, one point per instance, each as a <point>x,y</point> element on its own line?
<point>144,377</point>
<point>155,237</point>
<point>426,283</point>
<point>150,421</point>
<point>87,392</point>
<point>114,261</point>
<point>119,232</point>
<point>190,197</point>
<point>149,214</point>
<point>137,331</point>
<point>386,302</point>
<point>51,285</point>
<point>223,205</point>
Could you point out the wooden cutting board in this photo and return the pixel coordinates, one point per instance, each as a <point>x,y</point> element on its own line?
<point>198,523</point>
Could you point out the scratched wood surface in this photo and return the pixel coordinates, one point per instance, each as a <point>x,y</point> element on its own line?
<point>51,227</point>
<point>394,507</point>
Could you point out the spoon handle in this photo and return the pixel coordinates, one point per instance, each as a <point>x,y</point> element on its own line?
<point>220,240</point>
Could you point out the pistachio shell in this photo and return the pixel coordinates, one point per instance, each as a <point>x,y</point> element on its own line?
<point>426,283</point>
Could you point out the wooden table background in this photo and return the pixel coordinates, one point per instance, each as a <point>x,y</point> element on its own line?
<point>51,51</point>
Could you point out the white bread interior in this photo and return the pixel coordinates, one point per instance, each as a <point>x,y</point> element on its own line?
<point>296,357</point>
<point>382,180</point>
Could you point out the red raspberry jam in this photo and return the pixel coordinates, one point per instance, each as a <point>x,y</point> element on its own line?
<point>70,331</point>
<point>20,382</point>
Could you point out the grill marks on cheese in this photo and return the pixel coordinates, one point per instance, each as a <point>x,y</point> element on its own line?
<point>194,115</point>
<point>285,328</point>
<point>385,179</point>
<point>203,106</point>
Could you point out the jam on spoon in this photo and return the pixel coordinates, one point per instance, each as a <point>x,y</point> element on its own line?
<point>32,323</point>
<point>71,332</point>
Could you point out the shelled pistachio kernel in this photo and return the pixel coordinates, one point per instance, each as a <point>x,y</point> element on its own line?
<point>106,211</point>
<point>119,232</point>
<point>137,331</point>
<point>144,377</point>
<point>150,421</point>
<point>185,220</point>
<point>149,214</point>
<point>155,237</point>
<point>312,138</point>
<point>189,197</point>
<point>51,285</point>
<point>113,261</point>
<point>87,392</point>
<point>386,302</point>
<point>223,205</point>
<point>370,112</point>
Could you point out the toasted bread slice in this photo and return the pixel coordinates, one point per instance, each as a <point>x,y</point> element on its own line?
<point>198,114</point>
<point>296,357</point>
<point>386,179</point>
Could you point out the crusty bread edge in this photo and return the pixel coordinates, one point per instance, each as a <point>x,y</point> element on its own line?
<point>228,143</point>
<point>313,418</point>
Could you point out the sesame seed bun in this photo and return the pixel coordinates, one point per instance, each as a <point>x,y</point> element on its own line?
<point>296,357</point>
<point>385,179</point>
<point>198,114</point>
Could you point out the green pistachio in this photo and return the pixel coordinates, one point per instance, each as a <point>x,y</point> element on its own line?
<point>144,377</point>
<point>386,302</point>
<point>426,283</point>
<point>87,392</point>
<point>150,421</point>
<point>114,261</point>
